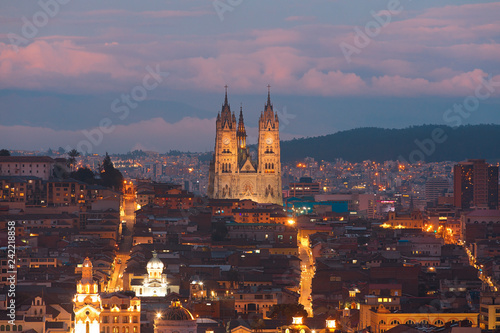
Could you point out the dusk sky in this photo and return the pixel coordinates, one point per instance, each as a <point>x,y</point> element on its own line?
<point>65,69</point>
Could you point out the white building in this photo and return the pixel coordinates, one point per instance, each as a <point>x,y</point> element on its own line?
<point>155,282</point>
<point>38,166</point>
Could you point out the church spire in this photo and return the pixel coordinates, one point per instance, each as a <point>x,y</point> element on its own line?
<point>268,95</point>
<point>225,100</point>
<point>268,117</point>
<point>226,117</point>
<point>241,134</point>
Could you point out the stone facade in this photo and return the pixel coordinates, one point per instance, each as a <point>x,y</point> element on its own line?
<point>233,172</point>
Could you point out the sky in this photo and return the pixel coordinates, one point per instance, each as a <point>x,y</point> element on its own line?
<point>122,75</point>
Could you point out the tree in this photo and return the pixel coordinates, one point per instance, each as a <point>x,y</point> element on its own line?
<point>73,154</point>
<point>85,175</point>
<point>234,277</point>
<point>219,233</point>
<point>287,311</point>
<point>59,173</point>
<point>4,152</point>
<point>110,177</point>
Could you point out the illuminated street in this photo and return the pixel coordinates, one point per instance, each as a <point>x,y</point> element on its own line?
<point>307,274</point>
<point>116,281</point>
<point>485,278</point>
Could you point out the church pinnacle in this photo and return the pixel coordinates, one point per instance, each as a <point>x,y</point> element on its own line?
<point>225,100</point>
<point>241,134</point>
<point>269,96</point>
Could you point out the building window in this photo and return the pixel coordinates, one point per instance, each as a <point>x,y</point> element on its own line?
<point>438,322</point>
<point>410,322</point>
<point>395,322</point>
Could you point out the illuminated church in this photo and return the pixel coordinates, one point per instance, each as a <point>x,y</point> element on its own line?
<point>176,319</point>
<point>87,302</point>
<point>106,313</point>
<point>155,281</point>
<point>233,172</point>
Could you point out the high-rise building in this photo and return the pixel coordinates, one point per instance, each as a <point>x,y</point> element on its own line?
<point>233,172</point>
<point>475,185</point>
<point>435,187</point>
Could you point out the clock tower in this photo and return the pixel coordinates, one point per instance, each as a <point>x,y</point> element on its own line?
<point>233,173</point>
<point>269,153</point>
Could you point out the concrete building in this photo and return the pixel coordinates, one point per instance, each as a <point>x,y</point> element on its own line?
<point>475,185</point>
<point>120,313</point>
<point>38,166</point>
<point>435,187</point>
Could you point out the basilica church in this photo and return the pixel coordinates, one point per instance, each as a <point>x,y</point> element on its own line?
<point>233,172</point>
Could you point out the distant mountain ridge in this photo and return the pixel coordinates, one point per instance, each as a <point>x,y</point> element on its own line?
<point>433,143</point>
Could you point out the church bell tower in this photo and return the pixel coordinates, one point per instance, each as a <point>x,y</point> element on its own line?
<point>87,302</point>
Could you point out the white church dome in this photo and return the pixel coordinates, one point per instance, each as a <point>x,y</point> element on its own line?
<point>155,263</point>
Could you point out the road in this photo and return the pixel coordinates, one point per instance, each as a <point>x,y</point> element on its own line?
<point>307,274</point>
<point>116,281</point>
<point>482,275</point>
<point>120,264</point>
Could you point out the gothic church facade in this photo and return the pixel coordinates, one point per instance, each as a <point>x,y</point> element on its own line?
<point>233,172</point>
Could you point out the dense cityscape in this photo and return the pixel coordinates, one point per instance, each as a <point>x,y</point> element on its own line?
<point>232,166</point>
<point>135,243</point>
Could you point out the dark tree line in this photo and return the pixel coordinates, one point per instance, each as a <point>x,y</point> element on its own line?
<point>378,144</point>
<point>107,176</point>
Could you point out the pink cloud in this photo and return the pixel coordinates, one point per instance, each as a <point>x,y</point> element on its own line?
<point>162,136</point>
<point>188,134</point>
<point>42,64</point>
<point>430,53</point>
<point>463,84</point>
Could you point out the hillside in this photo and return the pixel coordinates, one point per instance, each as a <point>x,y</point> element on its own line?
<point>378,144</point>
